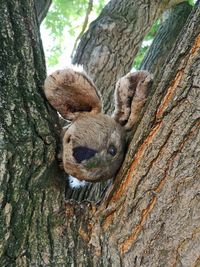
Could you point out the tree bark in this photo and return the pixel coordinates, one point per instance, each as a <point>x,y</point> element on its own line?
<point>42,7</point>
<point>156,57</point>
<point>165,38</point>
<point>149,217</point>
<point>29,187</point>
<point>108,48</point>
<point>160,193</point>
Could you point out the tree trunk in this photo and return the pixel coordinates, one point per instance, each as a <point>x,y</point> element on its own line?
<point>29,187</point>
<point>149,217</point>
<point>42,7</point>
<point>108,48</point>
<point>166,37</point>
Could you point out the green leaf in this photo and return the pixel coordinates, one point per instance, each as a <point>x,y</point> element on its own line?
<point>68,14</point>
<point>146,44</point>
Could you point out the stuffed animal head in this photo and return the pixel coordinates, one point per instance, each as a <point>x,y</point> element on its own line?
<point>94,143</point>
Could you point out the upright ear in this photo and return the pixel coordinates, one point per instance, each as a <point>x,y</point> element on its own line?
<point>130,96</point>
<point>72,92</point>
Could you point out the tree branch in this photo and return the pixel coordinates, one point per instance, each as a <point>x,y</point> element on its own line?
<point>85,23</point>
<point>42,7</point>
<point>108,48</point>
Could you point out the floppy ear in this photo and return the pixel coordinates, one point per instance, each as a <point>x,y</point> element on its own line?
<point>130,96</point>
<point>72,92</point>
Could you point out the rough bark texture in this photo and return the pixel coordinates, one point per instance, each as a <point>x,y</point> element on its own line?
<point>150,218</point>
<point>159,197</point>
<point>158,54</point>
<point>114,30</point>
<point>165,38</point>
<point>28,171</point>
<point>108,48</point>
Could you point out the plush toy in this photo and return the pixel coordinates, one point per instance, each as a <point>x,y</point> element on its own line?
<point>94,143</point>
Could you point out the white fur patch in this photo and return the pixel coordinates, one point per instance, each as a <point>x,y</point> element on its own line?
<point>75,183</point>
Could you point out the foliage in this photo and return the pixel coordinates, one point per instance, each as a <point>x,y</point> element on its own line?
<point>148,40</point>
<point>146,44</point>
<point>67,14</point>
<point>191,2</point>
<point>70,15</point>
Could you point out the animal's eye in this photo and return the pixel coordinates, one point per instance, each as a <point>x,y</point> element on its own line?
<point>112,150</point>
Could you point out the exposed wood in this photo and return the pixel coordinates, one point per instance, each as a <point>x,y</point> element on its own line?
<point>151,217</point>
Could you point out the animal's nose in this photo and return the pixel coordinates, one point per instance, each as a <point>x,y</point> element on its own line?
<point>81,153</point>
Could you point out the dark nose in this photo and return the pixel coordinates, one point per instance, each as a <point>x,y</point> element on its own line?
<point>81,153</point>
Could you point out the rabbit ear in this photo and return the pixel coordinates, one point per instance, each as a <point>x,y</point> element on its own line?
<point>130,96</point>
<point>71,92</point>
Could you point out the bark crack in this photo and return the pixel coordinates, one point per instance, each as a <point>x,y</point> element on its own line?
<point>128,243</point>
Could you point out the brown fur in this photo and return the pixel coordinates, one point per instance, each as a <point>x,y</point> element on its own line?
<point>130,96</point>
<point>74,95</point>
<point>96,131</point>
<point>71,92</point>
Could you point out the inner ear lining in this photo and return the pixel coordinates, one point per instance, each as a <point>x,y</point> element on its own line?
<point>129,100</point>
<point>68,139</point>
<point>74,109</point>
<point>123,122</point>
<point>90,82</point>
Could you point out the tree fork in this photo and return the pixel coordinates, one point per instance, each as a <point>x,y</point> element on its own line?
<point>127,20</point>
<point>178,16</point>
<point>152,216</point>
<point>158,199</point>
